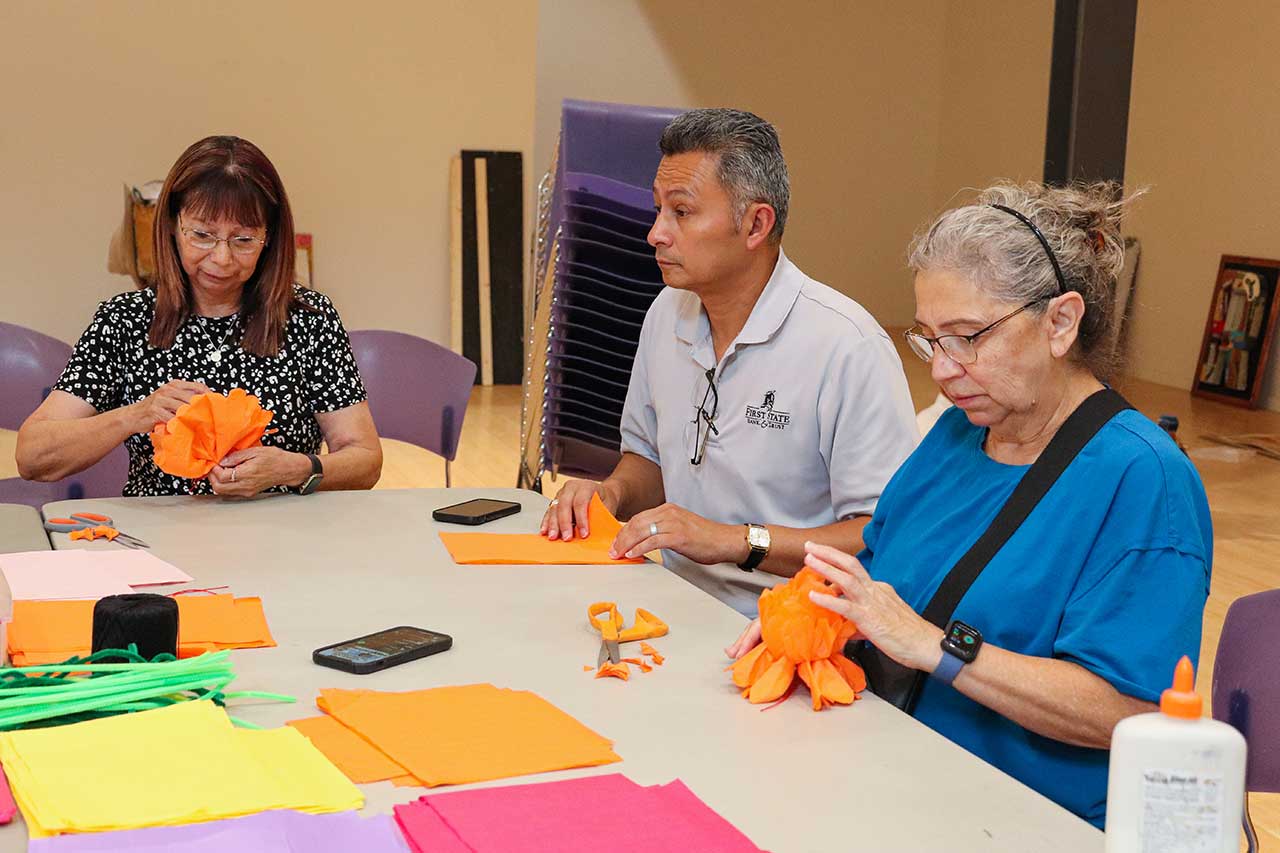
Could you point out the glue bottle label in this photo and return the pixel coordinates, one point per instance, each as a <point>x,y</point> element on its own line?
<point>1182,811</point>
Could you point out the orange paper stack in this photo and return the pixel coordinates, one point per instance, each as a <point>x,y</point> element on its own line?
<point>205,430</point>
<point>449,735</point>
<point>534,549</point>
<point>52,631</point>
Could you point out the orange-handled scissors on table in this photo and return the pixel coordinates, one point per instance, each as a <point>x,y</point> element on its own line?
<point>605,618</point>
<point>90,525</point>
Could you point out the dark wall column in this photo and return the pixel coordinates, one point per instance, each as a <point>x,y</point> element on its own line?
<point>1089,90</point>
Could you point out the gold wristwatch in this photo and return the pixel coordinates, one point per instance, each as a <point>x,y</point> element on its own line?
<point>758,540</point>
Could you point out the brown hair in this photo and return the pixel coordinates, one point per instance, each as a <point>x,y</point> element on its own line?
<point>225,177</point>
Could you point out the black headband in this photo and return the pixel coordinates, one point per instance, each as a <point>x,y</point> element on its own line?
<point>1053,259</point>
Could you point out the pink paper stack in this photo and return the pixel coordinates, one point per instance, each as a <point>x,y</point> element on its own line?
<point>572,816</point>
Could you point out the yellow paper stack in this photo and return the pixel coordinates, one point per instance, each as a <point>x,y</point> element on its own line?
<point>180,764</point>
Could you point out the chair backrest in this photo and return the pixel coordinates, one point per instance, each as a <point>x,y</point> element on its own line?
<point>103,479</point>
<point>418,390</point>
<point>30,362</point>
<point>15,490</point>
<point>1246,683</point>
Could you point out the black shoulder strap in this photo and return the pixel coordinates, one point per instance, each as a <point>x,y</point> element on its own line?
<point>1089,417</point>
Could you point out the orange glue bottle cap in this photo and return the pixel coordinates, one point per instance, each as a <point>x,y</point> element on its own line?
<point>1182,700</point>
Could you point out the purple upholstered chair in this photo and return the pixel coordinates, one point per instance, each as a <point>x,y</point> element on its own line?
<point>104,479</point>
<point>30,363</point>
<point>1246,688</point>
<point>418,390</point>
<point>15,490</point>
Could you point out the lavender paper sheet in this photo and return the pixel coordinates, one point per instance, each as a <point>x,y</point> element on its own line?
<point>266,832</point>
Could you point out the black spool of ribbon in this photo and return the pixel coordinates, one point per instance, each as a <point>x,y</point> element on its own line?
<point>145,619</point>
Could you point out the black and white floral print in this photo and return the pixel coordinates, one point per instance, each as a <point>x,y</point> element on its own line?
<point>315,372</point>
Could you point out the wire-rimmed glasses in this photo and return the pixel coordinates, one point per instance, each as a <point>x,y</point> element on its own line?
<point>706,421</point>
<point>958,348</point>
<point>240,244</point>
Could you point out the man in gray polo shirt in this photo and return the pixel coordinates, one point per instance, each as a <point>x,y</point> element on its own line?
<point>765,409</point>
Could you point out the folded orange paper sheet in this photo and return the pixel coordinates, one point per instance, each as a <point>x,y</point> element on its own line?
<point>454,735</point>
<point>52,631</point>
<point>205,430</point>
<point>534,549</point>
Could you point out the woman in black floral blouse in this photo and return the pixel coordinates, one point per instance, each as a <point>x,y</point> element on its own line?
<point>224,312</point>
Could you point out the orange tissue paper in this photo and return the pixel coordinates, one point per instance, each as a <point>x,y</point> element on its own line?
<point>205,430</point>
<point>800,638</point>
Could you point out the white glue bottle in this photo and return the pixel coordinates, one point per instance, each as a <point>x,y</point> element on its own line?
<point>1176,782</point>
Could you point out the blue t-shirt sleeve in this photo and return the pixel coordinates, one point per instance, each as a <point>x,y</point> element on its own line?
<point>870,534</point>
<point>1133,623</point>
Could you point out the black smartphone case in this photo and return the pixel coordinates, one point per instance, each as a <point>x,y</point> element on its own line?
<point>450,518</point>
<point>443,645</point>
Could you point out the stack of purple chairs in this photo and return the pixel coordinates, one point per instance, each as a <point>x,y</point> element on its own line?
<point>595,277</point>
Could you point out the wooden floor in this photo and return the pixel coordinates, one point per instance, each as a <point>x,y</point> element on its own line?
<point>1243,490</point>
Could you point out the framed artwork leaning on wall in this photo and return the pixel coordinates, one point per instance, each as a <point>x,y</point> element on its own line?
<point>1238,331</point>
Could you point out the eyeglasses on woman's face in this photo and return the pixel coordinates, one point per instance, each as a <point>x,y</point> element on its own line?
<point>958,348</point>
<point>207,241</point>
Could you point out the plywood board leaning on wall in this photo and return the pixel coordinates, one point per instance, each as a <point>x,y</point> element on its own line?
<point>487,262</point>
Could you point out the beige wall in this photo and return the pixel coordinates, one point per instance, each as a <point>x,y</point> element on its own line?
<point>884,108</point>
<point>599,51</point>
<point>1203,125</point>
<point>995,94</point>
<point>360,108</point>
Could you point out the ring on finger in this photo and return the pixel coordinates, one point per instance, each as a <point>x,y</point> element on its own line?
<point>653,528</point>
<point>555,501</point>
<point>233,475</point>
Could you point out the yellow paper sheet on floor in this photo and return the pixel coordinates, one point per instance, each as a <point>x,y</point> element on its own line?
<point>179,764</point>
<point>469,733</point>
<point>361,761</point>
<point>533,549</point>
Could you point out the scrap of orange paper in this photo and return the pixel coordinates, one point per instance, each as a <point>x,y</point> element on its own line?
<point>360,760</point>
<point>534,549</point>
<point>52,631</point>
<point>206,429</point>
<point>468,733</point>
<point>646,649</point>
<point>614,670</point>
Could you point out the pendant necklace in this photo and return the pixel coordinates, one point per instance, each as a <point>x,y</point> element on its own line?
<point>215,351</point>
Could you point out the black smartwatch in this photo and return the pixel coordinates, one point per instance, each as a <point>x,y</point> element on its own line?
<point>960,645</point>
<point>312,482</point>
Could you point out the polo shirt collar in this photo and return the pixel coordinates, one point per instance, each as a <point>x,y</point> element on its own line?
<point>771,308</point>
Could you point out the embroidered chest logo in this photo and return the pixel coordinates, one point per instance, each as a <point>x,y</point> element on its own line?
<point>766,416</point>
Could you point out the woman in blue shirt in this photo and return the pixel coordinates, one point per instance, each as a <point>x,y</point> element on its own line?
<point>1085,610</point>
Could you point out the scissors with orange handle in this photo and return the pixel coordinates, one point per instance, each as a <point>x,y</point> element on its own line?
<point>605,618</point>
<point>91,525</point>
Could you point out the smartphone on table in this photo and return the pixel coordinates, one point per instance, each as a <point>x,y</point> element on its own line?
<point>378,651</point>
<point>476,511</point>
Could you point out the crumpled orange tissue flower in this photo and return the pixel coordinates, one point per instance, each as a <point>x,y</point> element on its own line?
<point>800,638</point>
<point>205,430</point>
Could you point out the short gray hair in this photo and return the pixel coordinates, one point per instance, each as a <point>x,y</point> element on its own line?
<point>1000,254</point>
<point>751,167</point>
